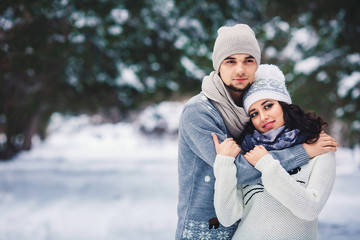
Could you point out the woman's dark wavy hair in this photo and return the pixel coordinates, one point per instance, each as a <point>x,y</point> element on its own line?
<point>309,124</point>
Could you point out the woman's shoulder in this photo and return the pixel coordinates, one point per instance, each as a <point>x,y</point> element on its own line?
<point>328,158</point>
<point>325,156</point>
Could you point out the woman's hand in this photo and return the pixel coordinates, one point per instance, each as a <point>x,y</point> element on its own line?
<point>253,156</point>
<point>227,148</point>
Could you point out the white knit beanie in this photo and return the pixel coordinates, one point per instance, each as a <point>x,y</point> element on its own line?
<point>233,40</point>
<point>269,83</point>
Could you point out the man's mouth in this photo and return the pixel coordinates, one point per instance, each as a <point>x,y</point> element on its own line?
<point>240,79</point>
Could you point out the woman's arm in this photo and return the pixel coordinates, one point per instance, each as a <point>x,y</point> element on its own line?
<point>228,199</point>
<point>304,202</point>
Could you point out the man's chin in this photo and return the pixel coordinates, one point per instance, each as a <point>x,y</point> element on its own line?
<point>237,89</point>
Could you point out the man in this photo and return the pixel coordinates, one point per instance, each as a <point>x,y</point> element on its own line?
<point>217,109</point>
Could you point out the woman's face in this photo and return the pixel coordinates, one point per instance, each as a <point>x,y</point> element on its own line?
<point>266,114</point>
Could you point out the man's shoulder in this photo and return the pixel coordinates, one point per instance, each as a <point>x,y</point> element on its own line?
<point>198,108</point>
<point>200,114</point>
<point>198,101</point>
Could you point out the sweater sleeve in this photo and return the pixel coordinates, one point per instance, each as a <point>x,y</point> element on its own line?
<point>289,158</point>
<point>304,202</point>
<point>197,122</point>
<point>228,199</point>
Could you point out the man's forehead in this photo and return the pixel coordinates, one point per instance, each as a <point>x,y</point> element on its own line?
<point>240,55</point>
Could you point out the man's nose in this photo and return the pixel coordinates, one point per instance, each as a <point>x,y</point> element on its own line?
<point>240,68</point>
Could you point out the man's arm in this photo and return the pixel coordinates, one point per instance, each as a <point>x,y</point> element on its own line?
<point>290,158</point>
<point>197,123</point>
<point>295,156</point>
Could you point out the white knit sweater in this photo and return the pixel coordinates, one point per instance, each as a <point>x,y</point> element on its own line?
<point>284,206</point>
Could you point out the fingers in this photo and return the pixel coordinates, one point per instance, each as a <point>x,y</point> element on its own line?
<point>260,146</point>
<point>324,144</point>
<point>237,146</point>
<point>215,139</point>
<point>330,148</point>
<point>327,141</point>
<point>331,144</point>
<point>230,142</point>
<point>226,142</point>
<point>325,136</point>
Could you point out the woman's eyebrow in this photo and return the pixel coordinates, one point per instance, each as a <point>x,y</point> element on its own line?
<point>262,104</point>
<point>266,101</point>
<point>252,110</point>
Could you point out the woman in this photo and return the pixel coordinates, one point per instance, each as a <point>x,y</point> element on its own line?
<point>286,205</point>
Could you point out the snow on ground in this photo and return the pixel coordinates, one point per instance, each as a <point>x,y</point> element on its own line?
<point>110,182</point>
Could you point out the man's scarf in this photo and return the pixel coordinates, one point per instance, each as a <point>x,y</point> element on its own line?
<point>275,139</point>
<point>234,116</point>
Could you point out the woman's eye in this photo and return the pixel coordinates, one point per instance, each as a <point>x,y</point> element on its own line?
<point>252,115</point>
<point>268,106</point>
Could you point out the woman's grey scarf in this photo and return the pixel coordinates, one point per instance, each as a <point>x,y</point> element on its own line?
<point>275,139</point>
<point>234,116</point>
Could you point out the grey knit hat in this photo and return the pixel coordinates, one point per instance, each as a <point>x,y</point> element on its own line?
<point>233,40</point>
<point>269,83</point>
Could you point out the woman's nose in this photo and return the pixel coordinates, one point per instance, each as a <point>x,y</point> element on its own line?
<point>263,116</point>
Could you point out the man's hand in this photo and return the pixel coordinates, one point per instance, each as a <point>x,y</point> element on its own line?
<point>227,148</point>
<point>324,144</point>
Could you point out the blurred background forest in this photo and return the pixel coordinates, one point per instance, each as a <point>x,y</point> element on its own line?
<point>112,58</point>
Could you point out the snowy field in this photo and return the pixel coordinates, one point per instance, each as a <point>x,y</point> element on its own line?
<point>108,181</point>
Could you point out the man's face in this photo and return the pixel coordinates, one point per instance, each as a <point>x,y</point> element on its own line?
<point>238,72</point>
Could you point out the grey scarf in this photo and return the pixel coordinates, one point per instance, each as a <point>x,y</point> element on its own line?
<point>234,116</point>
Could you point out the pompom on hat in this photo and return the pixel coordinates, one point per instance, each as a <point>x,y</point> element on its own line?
<point>269,83</point>
<point>239,38</point>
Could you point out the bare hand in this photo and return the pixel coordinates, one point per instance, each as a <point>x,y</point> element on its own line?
<point>324,144</point>
<point>253,156</point>
<point>227,148</point>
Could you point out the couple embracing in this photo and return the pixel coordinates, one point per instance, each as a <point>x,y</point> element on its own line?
<point>252,165</point>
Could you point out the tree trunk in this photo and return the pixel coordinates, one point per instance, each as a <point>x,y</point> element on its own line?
<point>31,129</point>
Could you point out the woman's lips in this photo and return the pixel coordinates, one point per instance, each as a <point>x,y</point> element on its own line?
<point>268,124</point>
